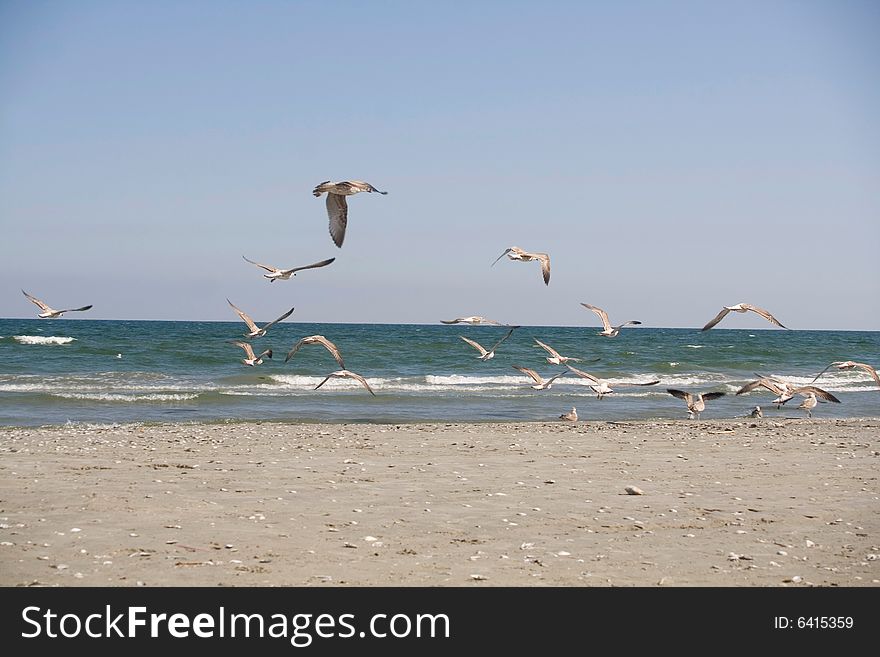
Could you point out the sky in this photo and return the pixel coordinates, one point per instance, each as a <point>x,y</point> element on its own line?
<point>670,157</point>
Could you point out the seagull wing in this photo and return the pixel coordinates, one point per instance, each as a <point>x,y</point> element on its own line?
<point>763,313</point>
<point>75,310</point>
<point>769,384</point>
<point>337,210</point>
<point>329,346</point>
<point>266,267</point>
<point>326,378</point>
<point>506,251</point>
<point>636,383</point>
<point>632,321</point>
<point>506,335</point>
<point>823,371</point>
<point>42,305</point>
<point>275,321</point>
<point>475,345</point>
<point>248,349</point>
<point>681,394</point>
<point>556,376</point>
<point>870,370</point>
<point>602,315</point>
<point>323,263</point>
<point>712,395</point>
<point>294,349</point>
<point>721,315</point>
<point>545,266</point>
<point>529,372</point>
<point>546,347</point>
<point>361,380</point>
<point>822,394</point>
<point>244,317</point>
<point>582,374</point>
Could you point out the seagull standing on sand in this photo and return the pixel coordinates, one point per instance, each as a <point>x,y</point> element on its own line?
<point>284,274</point>
<point>540,382</point>
<point>516,253</point>
<point>337,206</point>
<point>256,332</point>
<point>555,358</point>
<point>571,416</point>
<point>696,404</point>
<point>756,412</point>
<point>345,374</point>
<point>249,351</point>
<point>809,403</point>
<point>602,387</point>
<point>742,308</point>
<point>321,340</point>
<point>51,313</point>
<point>608,330</point>
<point>486,354</point>
<point>849,365</point>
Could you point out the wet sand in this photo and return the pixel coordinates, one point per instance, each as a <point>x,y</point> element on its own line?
<point>725,503</point>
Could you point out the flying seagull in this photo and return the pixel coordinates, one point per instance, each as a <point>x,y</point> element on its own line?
<point>555,358</point>
<point>742,308</point>
<point>284,274</point>
<point>516,253</point>
<point>249,351</point>
<point>337,206</point>
<point>51,313</point>
<point>345,374</point>
<point>540,382</point>
<point>609,331</point>
<point>317,339</point>
<point>486,354</point>
<point>785,391</point>
<point>849,365</point>
<point>696,403</point>
<point>602,387</point>
<point>256,332</point>
<point>571,416</point>
<point>473,319</point>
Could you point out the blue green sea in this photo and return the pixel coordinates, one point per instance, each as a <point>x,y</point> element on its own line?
<point>89,371</point>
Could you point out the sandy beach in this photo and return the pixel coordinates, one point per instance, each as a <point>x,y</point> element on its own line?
<point>789,502</point>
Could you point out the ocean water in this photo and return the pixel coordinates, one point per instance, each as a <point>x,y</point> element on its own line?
<point>88,371</point>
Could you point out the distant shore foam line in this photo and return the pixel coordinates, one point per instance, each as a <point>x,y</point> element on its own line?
<point>41,339</point>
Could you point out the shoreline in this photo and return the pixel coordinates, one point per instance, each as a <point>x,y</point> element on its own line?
<point>727,502</point>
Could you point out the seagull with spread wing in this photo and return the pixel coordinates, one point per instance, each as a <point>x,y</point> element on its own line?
<point>555,358</point>
<point>345,374</point>
<point>337,206</point>
<point>285,274</point>
<point>486,354</point>
<point>602,387</point>
<point>696,403</point>
<point>49,312</point>
<point>785,391</point>
<point>850,365</point>
<point>608,331</point>
<point>317,339</point>
<point>516,253</point>
<point>249,352</point>
<point>255,331</point>
<point>540,382</point>
<point>743,308</point>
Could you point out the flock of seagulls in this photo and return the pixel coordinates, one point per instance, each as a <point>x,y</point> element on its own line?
<point>337,212</point>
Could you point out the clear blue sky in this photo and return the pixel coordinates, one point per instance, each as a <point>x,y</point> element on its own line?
<point>671,157</point>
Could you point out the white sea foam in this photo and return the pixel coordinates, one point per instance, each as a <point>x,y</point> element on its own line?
<point>41,339</point>
<point>114,397</point>
<point>695,346</point>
